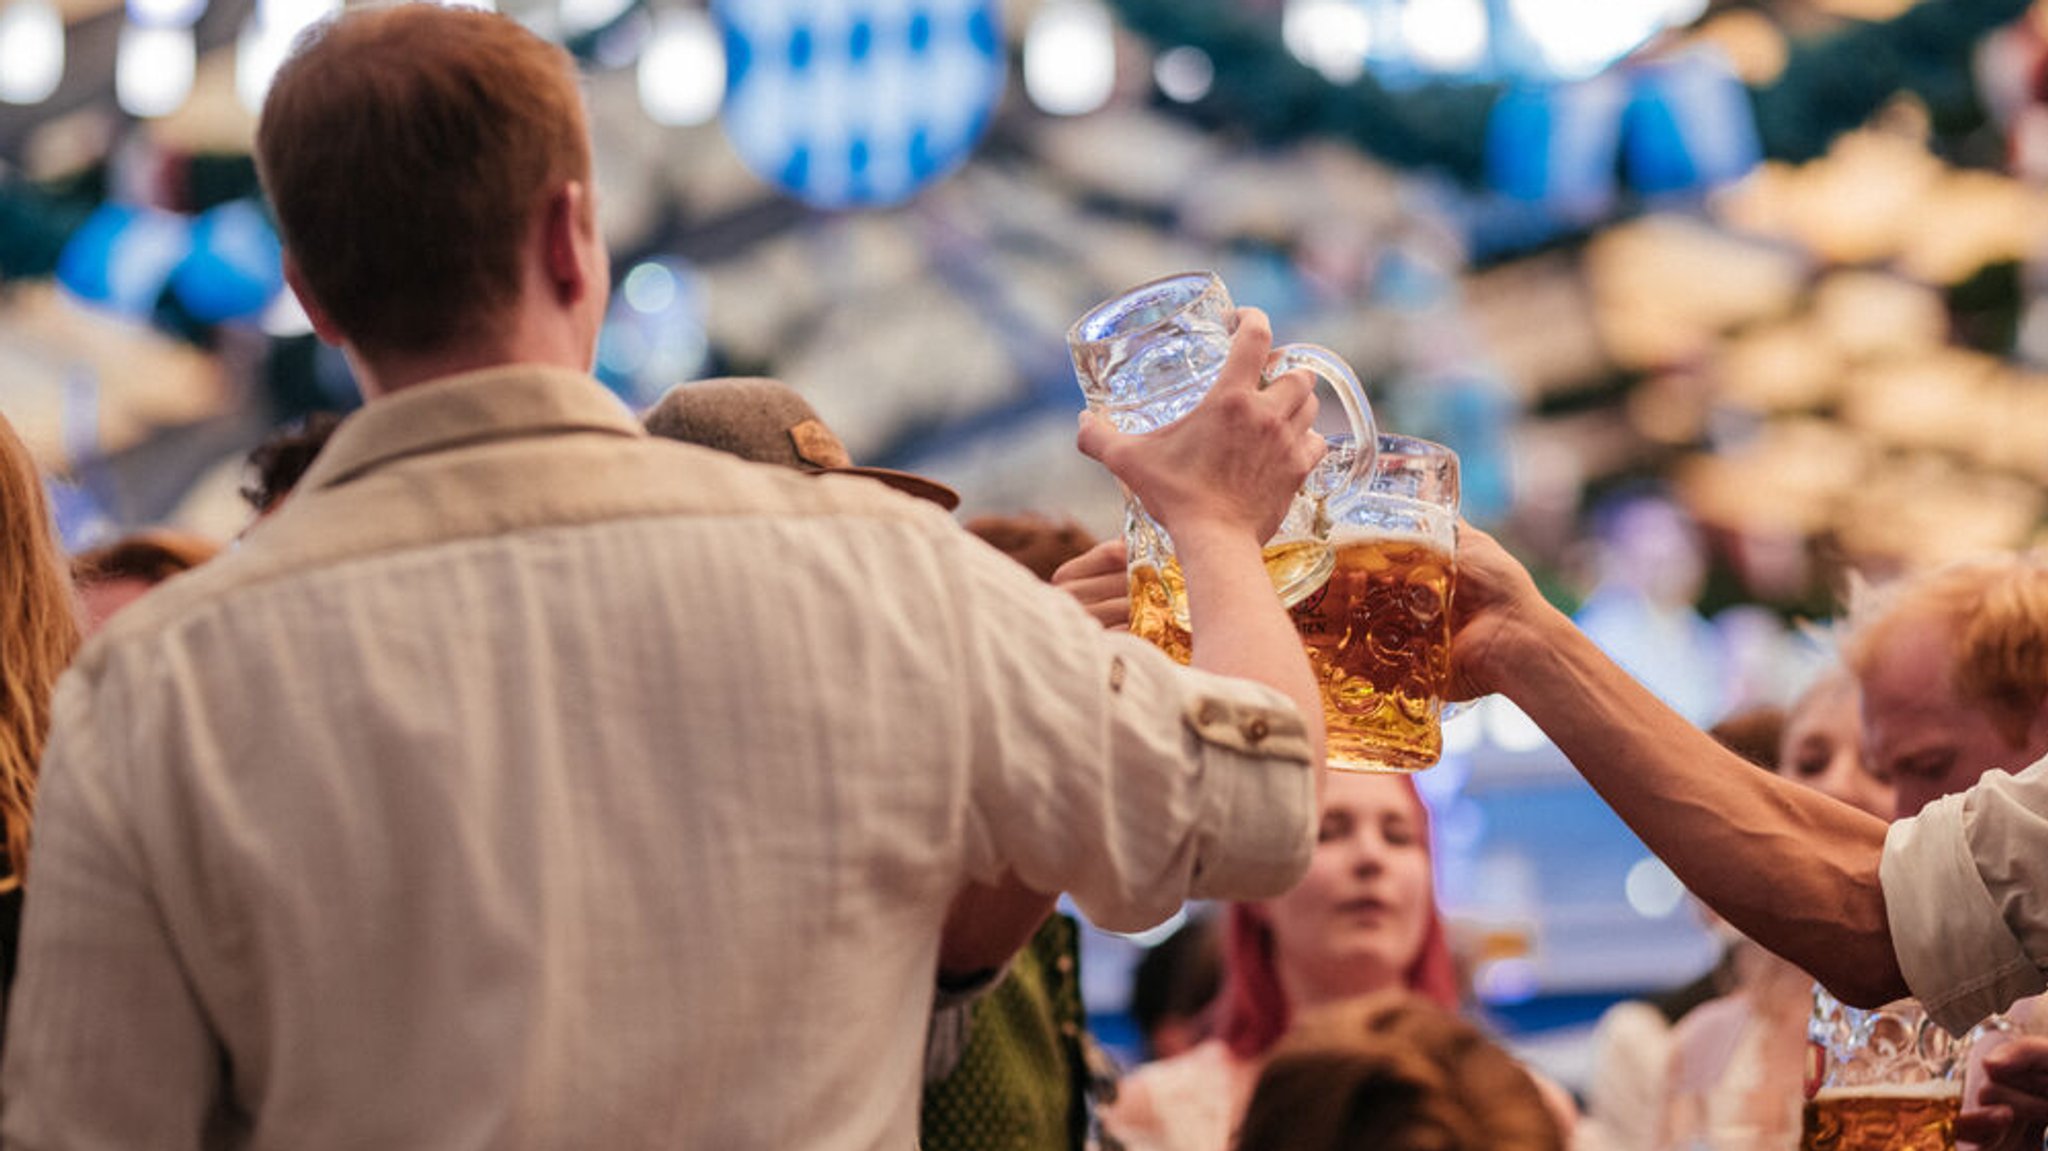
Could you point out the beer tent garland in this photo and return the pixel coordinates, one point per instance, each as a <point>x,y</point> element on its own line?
<point>1476,133</point>
<point>1830,85</point>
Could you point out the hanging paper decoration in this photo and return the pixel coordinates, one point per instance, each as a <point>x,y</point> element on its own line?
<point>1689,126</point>
<point>848,103</point>
<point>121,257</point>
<point>236,267</point>
<point>1556,145</point>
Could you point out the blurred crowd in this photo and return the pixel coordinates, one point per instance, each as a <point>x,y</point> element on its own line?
<point>532,773</point>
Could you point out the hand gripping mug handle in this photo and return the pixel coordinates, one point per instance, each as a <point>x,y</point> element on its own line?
<point>1337,473</point>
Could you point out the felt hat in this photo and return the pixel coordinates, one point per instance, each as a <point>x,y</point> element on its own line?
<point>766,421</point>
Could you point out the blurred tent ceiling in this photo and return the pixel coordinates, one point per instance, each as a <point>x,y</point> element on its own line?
<point>1726,343</point>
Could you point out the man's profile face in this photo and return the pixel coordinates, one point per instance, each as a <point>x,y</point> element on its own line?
<point>1918,734</point>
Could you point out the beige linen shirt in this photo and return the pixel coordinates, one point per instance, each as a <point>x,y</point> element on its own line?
<point>528,783</point>
<point>1966,892</point>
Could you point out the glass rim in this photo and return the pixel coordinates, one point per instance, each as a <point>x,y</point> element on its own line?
<point>1077,335</point>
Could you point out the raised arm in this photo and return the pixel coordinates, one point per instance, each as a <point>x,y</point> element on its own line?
<point>1791,868</point>
<point>1220,481</point>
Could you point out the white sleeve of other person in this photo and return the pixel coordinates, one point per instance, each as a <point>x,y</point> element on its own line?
<point>1966,892</point>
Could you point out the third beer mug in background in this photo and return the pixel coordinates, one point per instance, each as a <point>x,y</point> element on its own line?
<point>1882,1080</point>
<point>1145,359</point>
<point>1378,631</point>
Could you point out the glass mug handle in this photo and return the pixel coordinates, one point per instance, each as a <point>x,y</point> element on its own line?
<point>1365,437</point>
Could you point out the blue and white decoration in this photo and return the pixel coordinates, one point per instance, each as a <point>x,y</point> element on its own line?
<point>1689,126</point>
<point>1555,145</point>
<point>1680,124</point>
<point>858,103</point>
<point>223,265</point>
<point>122,257</point>
<point>236,267</point>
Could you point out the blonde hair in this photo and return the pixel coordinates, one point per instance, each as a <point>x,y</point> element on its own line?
<point>1995,609</point>
<point>1394,1072</point>
<point>37,639</point>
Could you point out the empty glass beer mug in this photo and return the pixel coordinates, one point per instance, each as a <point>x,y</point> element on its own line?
<point>1888,1079</point>
<point>1145,359</point>
<point>1378,630</point>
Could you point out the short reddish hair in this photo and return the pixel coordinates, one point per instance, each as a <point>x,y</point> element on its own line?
<point>405,152</point>
<point>1252,1011</point>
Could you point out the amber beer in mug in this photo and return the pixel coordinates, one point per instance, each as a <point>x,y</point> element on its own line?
<point>1378,635</point>
<point>1880,1079</point>
<point>1159,594</point>
<point>1883,1117</point>
<point>1378,631</point>
<point>1147,357</point>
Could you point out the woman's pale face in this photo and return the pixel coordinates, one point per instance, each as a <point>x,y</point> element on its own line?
<point>1355,923</point>
<point>1822,747</point>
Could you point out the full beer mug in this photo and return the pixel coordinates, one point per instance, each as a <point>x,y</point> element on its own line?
<point>1145,359</point>
<point>1378,630</point>
<point>1889,1079</point>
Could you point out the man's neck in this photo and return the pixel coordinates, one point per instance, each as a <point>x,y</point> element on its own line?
<point>385,374</point>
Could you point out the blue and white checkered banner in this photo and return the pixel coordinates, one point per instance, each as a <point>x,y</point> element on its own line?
<point>853,103</point>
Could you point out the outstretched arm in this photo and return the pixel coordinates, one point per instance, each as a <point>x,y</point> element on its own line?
<point>1791,868</point>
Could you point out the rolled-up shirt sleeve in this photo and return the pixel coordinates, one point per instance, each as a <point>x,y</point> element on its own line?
<point>1110,772</point>
<point>1964,893</point>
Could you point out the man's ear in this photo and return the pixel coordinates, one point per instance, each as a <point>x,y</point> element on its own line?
<point>323,324</point>
<point>566,232</point>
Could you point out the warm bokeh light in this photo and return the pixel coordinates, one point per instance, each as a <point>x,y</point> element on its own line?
<point>1579,39</point>
<point>31,51</point>
<point>682,70</point>
<point>1445,35</point>
<point>153,69</point>
<point>165,13</point>
<point>266,38</point>
<point>580,16</point>
<point>1331,36</point>
<point>1184,74</point>
<point>1070,58</point>
<point>1652,890</point>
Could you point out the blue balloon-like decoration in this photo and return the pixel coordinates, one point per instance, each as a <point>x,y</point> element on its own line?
<point>1689,126</point>
<point>1556,144</point>
<point>122,256</point>
<point>236,266</point>
<point>225,264</point>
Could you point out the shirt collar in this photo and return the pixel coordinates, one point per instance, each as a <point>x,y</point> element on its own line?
<point>463,410</point>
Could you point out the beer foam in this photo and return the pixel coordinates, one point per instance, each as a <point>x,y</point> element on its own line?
<point>1931,1089</point>
<point>1437,537</point>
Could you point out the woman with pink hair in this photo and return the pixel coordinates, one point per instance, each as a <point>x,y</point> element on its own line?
<point>1363,919</point>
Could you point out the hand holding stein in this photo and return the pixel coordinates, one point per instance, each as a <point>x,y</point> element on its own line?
<point>1148,358</point>
<point>1363,555</point>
